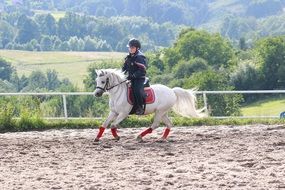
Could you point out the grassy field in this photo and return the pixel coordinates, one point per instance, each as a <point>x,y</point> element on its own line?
<point>56,14</point>
<point>271,107</point>
<point>72,65</point>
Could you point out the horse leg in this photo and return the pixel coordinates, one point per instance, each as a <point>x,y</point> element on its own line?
<point>102,128</point>
<point>157,118</point>
<point>168,124</point>
<point>116,122</point>
<point>114,132</point>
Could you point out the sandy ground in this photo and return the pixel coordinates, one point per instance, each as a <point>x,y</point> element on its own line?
<point>215,157</point>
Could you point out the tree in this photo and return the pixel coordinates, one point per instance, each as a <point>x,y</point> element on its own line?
<point>7,33</point>
<point>242,44</point>
<point>64,46</point>
<point>46,43</point>
<point>52,80</point>
<point>35,45</point>
<point>186,69</point>
<point>28,30</point>
<point>219,105</point>
<point>47,24</point>
<point>6,70</point>
<point>19,83</point>
<point>6,86</point>
<point>62,30</point>
<point>211,47</point>
<point>155,65</point>
<point>76,44</point>
<point>72,24</point>
<point>246,77</point>
<point>271,53</point>
<point>37,81</point>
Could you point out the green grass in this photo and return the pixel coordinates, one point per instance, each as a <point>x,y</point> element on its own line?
<point>38,124</point>
<point>72,65</point>
<point>269,107</point>
<point>56,14</point>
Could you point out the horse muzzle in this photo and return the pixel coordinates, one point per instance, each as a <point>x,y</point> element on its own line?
<point>98,93</point>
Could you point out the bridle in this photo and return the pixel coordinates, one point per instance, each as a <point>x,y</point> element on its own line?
<point>106,85</point>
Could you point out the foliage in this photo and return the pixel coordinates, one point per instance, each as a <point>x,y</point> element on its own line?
<point>156,22</point>
<point>271,52</point>
<point>6,69</point>
<point>246,76</point>
<point>219,105</point>
<point>135,122</point>
<point>26,108</point>
<point>6,115</point>
<point>185,69</point>
<point>212,48</point>
<point>77,32</point>
<point>28,29</point>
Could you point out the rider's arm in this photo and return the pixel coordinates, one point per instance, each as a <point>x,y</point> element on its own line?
<point>125,67</point>
<point>141,65</point>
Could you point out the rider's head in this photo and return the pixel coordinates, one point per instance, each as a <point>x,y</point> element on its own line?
<point>134,45</point>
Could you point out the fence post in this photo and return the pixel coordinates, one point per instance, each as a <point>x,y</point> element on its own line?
<point>65,107</point>
<point>205,102</point>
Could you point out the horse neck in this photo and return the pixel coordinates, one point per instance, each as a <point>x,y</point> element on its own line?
<point>119,90</point>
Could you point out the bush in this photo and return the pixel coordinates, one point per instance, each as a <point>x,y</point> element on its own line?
<point>187,68</point>
<point>30,120</point>
<point>6,114</point>
<point>219,104</point>
<point>30,115</point>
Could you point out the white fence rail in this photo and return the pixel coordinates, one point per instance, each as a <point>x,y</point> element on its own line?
<point>204,94</point>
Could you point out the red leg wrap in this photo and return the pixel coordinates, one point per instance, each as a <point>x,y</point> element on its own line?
<point>101,131</point>
<point>114,132</point>
<point>166,133</point>
<point>149,130</point>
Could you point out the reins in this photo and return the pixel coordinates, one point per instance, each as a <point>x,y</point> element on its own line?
<point>107,83</point>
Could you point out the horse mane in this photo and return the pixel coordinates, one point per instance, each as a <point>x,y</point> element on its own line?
<point>115,72</point>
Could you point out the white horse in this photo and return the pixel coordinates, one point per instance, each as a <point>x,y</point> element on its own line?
<point>111,80</point>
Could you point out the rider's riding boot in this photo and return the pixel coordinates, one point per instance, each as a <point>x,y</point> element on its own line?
<point>140,110</point>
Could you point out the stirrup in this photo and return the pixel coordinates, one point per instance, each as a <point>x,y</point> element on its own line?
<point>140,111</point>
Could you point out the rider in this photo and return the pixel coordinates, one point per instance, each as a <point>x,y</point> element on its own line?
<point>135,66</point>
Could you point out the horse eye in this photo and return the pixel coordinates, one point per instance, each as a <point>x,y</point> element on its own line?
<point>103,82</point>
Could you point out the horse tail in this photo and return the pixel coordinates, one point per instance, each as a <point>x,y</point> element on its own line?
<point>185,104</point>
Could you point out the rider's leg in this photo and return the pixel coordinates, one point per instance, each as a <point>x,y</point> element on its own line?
<point>110,118</point>
<point>138,91</point>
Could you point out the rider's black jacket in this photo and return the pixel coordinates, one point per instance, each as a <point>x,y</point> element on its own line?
<point>135,65</point>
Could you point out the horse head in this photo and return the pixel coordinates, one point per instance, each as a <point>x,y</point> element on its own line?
<point>107,79</point>
<point>102,82</point>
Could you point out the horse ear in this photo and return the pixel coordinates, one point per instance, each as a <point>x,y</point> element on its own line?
<point>107,73</point>
<point>101,74</point>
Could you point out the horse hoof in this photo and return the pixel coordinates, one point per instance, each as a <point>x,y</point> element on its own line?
<point>161,140</point>
<point>117,138</point>
<point>96,140</point>
<point>139,139</point>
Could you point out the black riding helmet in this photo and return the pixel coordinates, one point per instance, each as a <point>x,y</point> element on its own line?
<point>134,43</point>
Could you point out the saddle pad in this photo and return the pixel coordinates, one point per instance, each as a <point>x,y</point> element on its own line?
<point>150,96</point>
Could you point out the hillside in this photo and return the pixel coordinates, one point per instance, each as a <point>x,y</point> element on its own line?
<point>71,65</point>
<point>108,24</point>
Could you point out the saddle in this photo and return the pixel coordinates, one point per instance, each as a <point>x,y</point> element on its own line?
<point>149,96</point>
